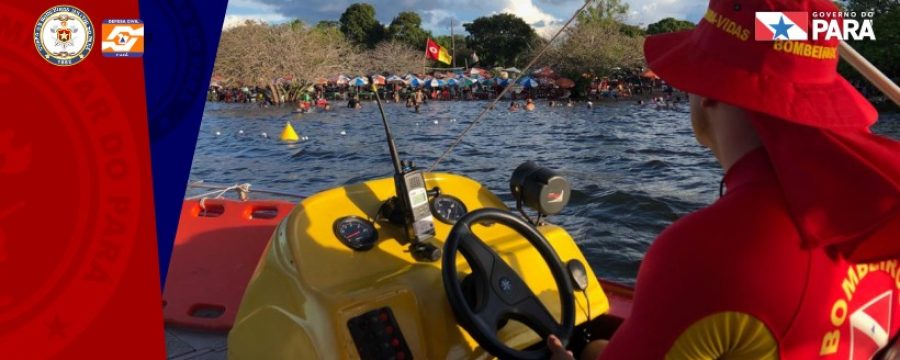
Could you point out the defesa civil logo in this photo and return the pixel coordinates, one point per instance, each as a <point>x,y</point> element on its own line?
<point>796,25</point>
<point>122,38</point>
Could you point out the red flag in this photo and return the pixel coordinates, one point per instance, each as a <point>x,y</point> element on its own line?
<point>436,52</point>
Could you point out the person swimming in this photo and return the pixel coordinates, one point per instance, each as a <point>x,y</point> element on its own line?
<point>590,105</point>
<point>529,105</point>
<point>513,106</point>
<point>418,99</point>
<point>354,103</point>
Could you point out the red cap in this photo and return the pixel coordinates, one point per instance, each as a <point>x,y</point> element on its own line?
<point>841,182</point>
<point>796,81</point>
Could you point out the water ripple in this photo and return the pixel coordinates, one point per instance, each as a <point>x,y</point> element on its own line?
<point>634,169</point>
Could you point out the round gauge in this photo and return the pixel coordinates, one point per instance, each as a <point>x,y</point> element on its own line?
<point>357,233</point>
<point>448,209</point>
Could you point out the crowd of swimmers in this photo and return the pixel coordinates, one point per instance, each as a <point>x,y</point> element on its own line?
<point>414,99</point>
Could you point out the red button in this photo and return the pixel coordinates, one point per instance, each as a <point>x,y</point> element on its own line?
<point>395,342</point>
<point>383,317</point>
<point>389,330</point>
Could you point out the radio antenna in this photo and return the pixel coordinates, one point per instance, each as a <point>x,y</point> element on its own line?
<point>392,147</point>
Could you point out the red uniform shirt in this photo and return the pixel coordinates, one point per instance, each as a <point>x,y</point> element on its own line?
<point>734,281</point>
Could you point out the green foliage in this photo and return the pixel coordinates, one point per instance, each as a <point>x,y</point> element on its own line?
<point>462,50</point>
<point>407,28</point>
<point>604,11</point>
<point>297,25</point>
<point>669,25</point>
<point>883,51</point>
<point>610,13</point>
<point>597,47</point>
<point>631,30</point>
<point>359,25</point>
<point>328,25</point>
<point>500,39</point>
<point>878,6</point>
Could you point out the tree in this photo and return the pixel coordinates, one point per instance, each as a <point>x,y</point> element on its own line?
<point>612,12</point>
<point>359,25</point>
<point>328,25</point>
<point>391,57</point>
<point>669,25</point>
<point>598,48</point>
<point>255,55</point>
<point>500,39</point>
<point>330,29</point>
<point>462,51</point>
<point>883,51</point>
<point>407,27</point>
<point>604,11</point>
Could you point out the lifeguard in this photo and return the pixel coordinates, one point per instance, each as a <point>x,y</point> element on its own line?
<point>798,259</point>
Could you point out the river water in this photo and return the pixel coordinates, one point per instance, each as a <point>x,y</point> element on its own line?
<point>633,169</point>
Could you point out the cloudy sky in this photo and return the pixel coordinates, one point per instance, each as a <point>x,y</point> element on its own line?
<point>544,15</point>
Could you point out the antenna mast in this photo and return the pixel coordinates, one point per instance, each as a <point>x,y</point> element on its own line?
<point>452,44</point>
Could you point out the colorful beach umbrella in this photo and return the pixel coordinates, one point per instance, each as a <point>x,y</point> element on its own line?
<point>435,83</point>
<point>452,82</point>
<point>359,81</point>
<point>416,82</point>
<point>394,79</point>
<point>528,82</point>
<point>649,74</point>
<point>565,83</point>
<point>378,80</point>
<point>340,80</point>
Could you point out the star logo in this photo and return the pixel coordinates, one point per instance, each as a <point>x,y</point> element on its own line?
<point>781,29</point>
<point>781,25</point>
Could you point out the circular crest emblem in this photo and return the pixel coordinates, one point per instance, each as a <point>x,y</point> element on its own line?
<point>64,35</point>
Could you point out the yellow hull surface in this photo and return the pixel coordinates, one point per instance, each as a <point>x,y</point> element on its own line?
<point>308,285</point>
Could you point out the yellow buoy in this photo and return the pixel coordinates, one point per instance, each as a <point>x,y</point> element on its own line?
<point>288,134</point>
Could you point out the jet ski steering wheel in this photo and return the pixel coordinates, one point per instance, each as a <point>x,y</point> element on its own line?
<point>500,293</point>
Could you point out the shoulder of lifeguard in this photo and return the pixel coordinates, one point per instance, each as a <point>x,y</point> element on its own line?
<point>725,335</point>
<point>751,212</point>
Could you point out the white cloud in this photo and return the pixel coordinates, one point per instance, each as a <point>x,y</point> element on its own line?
<point>232,21</point>
<point>646,12</point>
<point>533,15</point>
<point>238,5</point>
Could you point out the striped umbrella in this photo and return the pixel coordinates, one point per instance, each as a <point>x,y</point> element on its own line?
<point>436,83</point>
<point>466,82</point>
<point>416,82</point>
<point>528,82</point>
<point>452,82</point>
<point>378,80</point>
<point>359,81</point>
<point>341,80</point>
<point>394,79</point>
